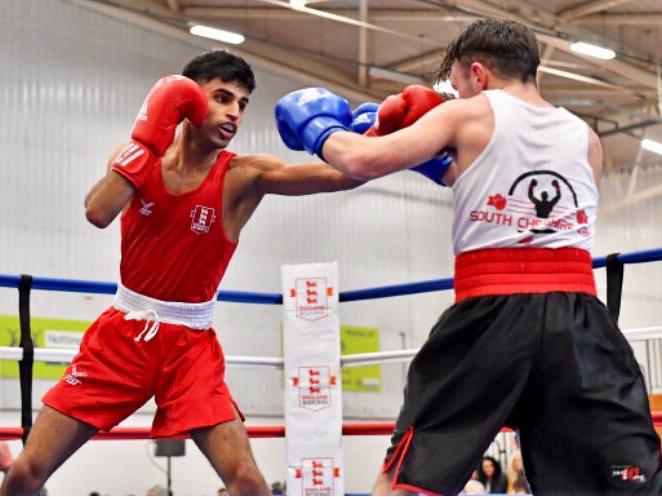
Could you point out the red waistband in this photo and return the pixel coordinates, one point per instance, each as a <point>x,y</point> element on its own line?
<point>531,270</point>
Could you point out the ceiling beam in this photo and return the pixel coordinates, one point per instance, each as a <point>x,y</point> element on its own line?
<point>586,9</point>
<point>401,15</point>
<point>615,66</point>
<point>173,5</point>
<point>630,127</point>
<point>535,17</point>
<point>411,63</point>
<point>352,22</point>
<point>158,18</point>
<point>363,44</point>
<point>621,20</point>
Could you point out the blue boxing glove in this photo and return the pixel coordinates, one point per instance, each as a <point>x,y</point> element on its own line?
<point>364,117</point>
<point>435,169</point>
<point>306,118</point>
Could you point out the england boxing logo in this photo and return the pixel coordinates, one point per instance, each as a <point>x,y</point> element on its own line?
<point>317,475</point>
<point>537,202</point>
<point>201,219</point>
<point>314,384</point>
<point>312,298</point>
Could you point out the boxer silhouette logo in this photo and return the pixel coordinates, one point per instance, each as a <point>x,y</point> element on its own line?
<point>536,202</point>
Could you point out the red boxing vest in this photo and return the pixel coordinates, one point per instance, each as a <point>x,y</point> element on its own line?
<point>174,247</point>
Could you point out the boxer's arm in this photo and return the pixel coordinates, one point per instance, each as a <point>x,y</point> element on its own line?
<point>108,196</point>
<point>367,158</point>
<point>276,176</point>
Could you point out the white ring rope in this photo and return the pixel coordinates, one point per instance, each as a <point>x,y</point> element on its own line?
<point>386,357</point>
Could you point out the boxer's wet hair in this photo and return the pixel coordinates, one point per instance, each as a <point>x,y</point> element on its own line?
<point>220,64</point>
<point>509,49</point>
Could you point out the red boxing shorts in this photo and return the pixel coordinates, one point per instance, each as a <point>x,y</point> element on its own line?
<point>114,374</point>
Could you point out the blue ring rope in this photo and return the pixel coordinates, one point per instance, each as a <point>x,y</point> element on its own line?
<point>100,287</point>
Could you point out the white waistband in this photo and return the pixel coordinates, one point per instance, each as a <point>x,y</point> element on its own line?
<point>198,316</point>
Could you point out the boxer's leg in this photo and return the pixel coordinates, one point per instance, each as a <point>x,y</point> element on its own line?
<point>54,437</point>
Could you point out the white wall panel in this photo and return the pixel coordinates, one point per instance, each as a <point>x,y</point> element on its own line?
<point>71,82</point>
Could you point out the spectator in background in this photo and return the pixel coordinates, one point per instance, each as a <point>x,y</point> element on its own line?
<point>473,486</point>
<point>277,488</point>
<point>6,458</point>
<point>157,489</point>
<point>491,476</point>
<point>517,482</point>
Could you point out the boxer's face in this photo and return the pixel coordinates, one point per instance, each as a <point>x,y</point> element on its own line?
<point>470,80</point>
<point>227,103</point>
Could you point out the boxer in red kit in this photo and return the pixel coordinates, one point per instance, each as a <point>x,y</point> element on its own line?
<point>183,202</point>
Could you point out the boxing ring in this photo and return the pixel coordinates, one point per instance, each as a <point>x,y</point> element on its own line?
<point>26,353</point>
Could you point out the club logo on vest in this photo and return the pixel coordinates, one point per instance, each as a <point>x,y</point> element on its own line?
<point>537,202</point>
<point>201,219</point>
<point>314,384</point>
<point>318,476</point>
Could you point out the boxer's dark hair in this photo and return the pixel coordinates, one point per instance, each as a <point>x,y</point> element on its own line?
<point>509,49</point>
<point>220,64</point>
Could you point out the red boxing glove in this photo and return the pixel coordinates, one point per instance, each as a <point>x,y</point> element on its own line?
<point>404,109</point>
<point>170,100</point>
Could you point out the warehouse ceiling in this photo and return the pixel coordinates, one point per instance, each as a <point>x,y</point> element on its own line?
<point>367,49</point>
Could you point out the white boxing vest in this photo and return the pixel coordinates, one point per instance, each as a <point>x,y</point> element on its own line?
<point>532,186</point>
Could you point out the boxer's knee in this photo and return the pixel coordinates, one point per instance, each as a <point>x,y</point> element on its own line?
<point>26,477</point>
<point>247,480</point>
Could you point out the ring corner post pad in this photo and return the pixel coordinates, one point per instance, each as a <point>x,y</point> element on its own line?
<point>615,269</point>
<point>313,395</point>
<point>26,363</point>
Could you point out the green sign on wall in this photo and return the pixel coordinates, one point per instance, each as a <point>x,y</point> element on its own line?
<point>48,333</point>
<point>359,340</point>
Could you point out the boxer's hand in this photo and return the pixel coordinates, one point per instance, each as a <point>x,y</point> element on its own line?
<point>306,118</point>
<point>170,101</point>
<point>404,109</point>
<point>364,117</point>
<point>434,169</point>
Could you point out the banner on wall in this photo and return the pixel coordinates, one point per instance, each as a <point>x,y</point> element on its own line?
<point>46,333</point>
<point>313,388</point>
<point>360,340</point>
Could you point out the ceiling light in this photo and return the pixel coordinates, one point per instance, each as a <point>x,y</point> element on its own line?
<point>445,87</point>
<point>216,34</point>
<point>651,146</point>
<point>298,4</point>
<point>593,50</point>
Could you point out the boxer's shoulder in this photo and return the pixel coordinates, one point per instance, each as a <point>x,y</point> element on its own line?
<point>255,162</point>
<point>246,170</point>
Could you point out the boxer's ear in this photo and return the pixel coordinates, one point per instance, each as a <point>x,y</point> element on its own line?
<point>479,76</point>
